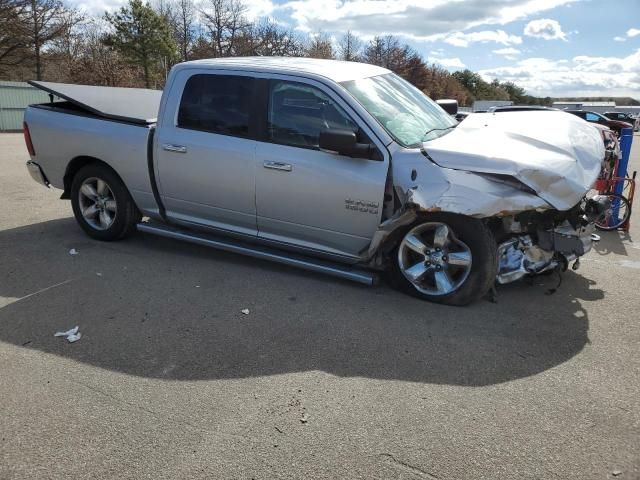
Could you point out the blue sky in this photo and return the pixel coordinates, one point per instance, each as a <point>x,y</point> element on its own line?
<point>550,47</point>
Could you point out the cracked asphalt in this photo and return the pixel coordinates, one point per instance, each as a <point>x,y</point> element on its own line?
<point>322,379</point>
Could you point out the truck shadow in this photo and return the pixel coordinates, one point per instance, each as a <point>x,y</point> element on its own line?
<point>162,309</point>
<point>612,242</point>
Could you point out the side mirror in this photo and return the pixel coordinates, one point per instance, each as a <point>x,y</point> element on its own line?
<point>449,106</point>
<point>344,142</point>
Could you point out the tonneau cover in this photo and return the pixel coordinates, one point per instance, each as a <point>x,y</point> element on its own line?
<point>135,105</point>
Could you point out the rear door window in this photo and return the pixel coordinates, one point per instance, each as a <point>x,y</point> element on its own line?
<point>217,104</point>
<point>298,112</point>
<point>592,117</point>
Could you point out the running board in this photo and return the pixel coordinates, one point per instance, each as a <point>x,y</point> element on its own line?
<point>264,253</point>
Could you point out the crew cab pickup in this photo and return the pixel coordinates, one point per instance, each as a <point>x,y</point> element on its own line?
<point>337,167</point>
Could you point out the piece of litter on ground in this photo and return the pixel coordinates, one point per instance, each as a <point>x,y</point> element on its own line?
<point>74,338</point>
<point>73,251</point>
<point>304,418</point>
<point>72,331</point>
<point>615,473</point>
<point>197,286</point>
<point>72,335</point>
<point>99,274</point>
<point>245,311</point>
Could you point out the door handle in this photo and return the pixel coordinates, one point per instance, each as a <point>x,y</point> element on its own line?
<point>285,167</point>
<point>169,147</point>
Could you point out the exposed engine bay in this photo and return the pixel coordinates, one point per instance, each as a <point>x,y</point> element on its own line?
<point>535,242</point>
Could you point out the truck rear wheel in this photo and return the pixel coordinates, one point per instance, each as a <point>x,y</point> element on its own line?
<point>445,258</point>
<point>101,203</point>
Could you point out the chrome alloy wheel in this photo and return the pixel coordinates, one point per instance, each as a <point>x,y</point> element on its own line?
<point>433,260</point>
<point>97,203</point>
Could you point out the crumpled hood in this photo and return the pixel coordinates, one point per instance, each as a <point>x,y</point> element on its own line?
<point>555,153</point>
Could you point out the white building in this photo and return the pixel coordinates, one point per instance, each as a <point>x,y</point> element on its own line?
<point>599,107</point>
<point>631,109</point>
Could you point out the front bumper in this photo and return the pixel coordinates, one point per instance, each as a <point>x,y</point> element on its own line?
<point>36,173</point>
<point>521,256</point>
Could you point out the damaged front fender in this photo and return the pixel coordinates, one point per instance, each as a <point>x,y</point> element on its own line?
<point>426,187</point>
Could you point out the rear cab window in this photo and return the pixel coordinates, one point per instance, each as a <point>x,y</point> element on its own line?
<point>217,104</point>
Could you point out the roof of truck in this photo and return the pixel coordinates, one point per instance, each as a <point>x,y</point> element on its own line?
<point>336,70</point>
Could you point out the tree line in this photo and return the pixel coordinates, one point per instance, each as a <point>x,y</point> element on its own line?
<point>138,44</point>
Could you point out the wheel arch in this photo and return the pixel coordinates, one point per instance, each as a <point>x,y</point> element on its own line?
<point>74,167</point>
<point>475,233</point>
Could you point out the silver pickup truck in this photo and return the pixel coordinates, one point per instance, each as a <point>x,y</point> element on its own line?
<point>337,167</point>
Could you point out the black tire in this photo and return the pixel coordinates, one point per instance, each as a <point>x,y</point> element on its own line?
<point>482,245</point>
<point>126,215</point>
<point>624,207</point>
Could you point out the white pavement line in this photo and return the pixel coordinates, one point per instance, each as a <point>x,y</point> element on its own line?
<point>4,301</point>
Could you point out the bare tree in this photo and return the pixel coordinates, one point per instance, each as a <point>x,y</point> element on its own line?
<point>186,16</point>
<point>350,48</point>
<point>14,35</point>
<point>225,20</point>
<point>267,38</point>
<point>99,64</point>
<point>319,46</point>
<point>60,57</point>
<point>47,20</point>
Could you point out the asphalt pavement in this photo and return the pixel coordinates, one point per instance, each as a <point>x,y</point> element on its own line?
<point>321,379</point>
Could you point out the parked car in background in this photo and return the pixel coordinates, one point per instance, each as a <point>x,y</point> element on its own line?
<point>337,167</point>
<point>451,107</point>
<point>624,117</point>
<point>593,117</point>
<point>460,116</point>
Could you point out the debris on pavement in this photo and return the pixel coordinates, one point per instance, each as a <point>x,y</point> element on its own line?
<point>616,473</point>
<point>73,251</point>
<point>245,311</point>
<point>99,274</point>
<point>304,419</point>
<point>72,335</point>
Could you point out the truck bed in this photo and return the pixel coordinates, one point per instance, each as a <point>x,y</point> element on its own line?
<point>63,133</point>
<point>131,105</point>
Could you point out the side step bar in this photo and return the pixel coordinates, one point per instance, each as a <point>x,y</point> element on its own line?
<point>264,253</point>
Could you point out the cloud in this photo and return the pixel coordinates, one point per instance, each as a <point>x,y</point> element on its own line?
<point>449,63</point>
<point>258,8</point>
<point>633,32</point>
<point>459,39</point>
<point>414,19</point>
<point>254,8</point>
<point>509,53</point>
<point>545,28</point>
<point>619,39</point>
<point>582,75</point>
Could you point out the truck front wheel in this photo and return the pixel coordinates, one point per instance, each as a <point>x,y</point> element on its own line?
<point>101,203</point>
<point>445,258</point>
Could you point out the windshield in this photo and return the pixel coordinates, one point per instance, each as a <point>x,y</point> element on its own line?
<point>406,113</point>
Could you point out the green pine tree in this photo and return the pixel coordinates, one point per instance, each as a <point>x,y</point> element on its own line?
<point>142,37</point>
